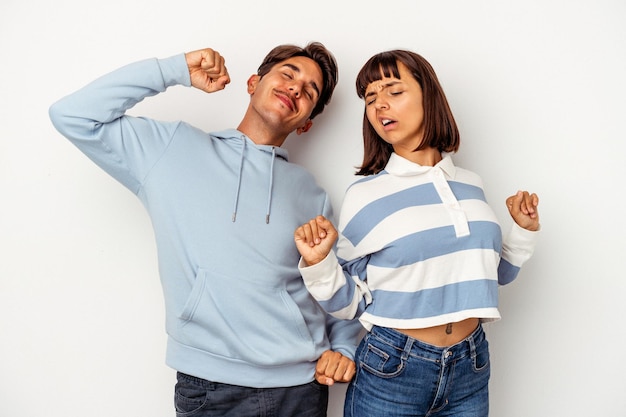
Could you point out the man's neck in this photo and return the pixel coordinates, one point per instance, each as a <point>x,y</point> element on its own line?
<point>261,134</point>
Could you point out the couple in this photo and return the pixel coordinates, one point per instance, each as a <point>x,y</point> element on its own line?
<point>247,332</point>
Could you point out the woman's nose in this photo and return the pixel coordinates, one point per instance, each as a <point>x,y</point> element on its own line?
<point>381,103</point>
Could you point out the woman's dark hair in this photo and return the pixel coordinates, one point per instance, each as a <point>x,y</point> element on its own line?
<point>440,129</point>
<point>318,53</point>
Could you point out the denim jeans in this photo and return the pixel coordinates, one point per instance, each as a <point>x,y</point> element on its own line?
<point>196,397</point>
<point>401,376</point>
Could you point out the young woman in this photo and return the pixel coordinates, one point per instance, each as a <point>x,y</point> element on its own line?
<point>420,254</point>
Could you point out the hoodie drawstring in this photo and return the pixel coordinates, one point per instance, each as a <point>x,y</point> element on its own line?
<point>269,191</point>
<point>243,150</point>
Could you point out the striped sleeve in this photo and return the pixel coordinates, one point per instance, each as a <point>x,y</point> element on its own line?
<point>338,286</point>
<point>517,248</point>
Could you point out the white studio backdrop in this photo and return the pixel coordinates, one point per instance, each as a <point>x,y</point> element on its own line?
<point>537,87</point>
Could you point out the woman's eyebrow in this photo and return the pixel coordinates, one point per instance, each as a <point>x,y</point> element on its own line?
<point>381,87</point>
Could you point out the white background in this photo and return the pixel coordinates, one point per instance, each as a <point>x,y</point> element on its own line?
<point>538,89</point>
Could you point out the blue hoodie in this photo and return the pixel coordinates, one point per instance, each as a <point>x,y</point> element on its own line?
<point>224,211</point>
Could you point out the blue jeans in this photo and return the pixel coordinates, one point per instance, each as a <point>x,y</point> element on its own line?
<point>401,376</point>
<point>196,397</point>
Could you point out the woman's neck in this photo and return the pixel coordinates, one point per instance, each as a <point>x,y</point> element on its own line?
<point>425,157</point>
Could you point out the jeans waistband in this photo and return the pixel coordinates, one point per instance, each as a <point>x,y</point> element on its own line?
<point>415,347</point>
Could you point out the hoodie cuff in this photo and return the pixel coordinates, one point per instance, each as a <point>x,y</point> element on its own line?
<point>175,70</point>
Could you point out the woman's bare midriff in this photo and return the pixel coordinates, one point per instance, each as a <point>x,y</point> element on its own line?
<point>444,335</point>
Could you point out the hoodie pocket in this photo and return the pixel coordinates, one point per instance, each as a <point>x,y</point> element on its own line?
<point>244,319</point>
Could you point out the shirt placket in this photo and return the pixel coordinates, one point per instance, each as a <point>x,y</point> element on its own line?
<point>452,205</point>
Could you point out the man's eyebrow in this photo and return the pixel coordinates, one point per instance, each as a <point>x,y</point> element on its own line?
<point>297,69</point>
<point>382,87</point>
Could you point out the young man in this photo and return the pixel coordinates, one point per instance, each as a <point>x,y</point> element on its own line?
<point>245,336</point>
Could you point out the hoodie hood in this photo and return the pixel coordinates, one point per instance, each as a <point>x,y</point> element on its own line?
<point>246,142</point>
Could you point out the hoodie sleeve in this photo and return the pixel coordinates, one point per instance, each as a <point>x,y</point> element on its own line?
<point>344,335</point>
<point>93,118</point>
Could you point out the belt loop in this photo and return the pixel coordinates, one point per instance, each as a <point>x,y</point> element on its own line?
<point>472,346</point>
<point>407,348</point>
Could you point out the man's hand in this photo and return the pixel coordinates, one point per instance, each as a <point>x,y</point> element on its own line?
<point>315,239</point>
<point>334,367</point>
<point>523,209</point>
<point>207,70</point>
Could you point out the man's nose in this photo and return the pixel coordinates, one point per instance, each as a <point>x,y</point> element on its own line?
<point>295,90</point>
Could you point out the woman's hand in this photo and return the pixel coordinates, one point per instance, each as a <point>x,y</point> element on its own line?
<point>523,209</point>
<point>315,239</point>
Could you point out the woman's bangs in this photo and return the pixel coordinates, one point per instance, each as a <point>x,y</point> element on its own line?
<point>381,66</point>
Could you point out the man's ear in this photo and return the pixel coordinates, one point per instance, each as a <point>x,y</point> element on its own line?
<point>252,83</point>
<point>305,128</point>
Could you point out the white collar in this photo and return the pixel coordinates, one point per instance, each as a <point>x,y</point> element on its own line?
<point>402,167</point>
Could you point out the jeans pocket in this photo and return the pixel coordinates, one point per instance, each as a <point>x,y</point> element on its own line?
<point>480,360</point>
<point>381,359</point>
<point>189,398</point>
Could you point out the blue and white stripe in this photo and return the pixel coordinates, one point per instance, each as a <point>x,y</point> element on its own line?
<point>418,247</point>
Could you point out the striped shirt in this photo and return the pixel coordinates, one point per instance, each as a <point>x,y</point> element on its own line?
<point>418,247</point>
